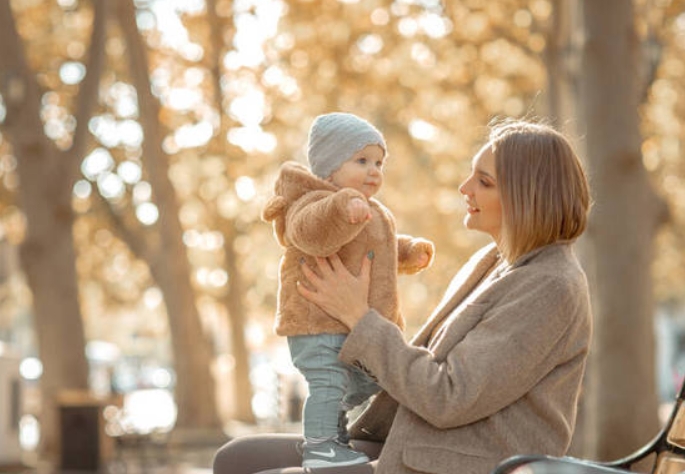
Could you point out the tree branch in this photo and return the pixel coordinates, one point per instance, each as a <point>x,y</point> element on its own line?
<point>18,84</point>
<point>88,93</point>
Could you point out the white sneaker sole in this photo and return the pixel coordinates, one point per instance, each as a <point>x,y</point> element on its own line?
<point>319,463</point>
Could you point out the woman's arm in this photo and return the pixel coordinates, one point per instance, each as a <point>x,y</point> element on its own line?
<point>498,361</point>
<point>540,323</point>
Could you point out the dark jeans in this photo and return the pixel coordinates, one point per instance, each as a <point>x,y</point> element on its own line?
<point>279,454</point>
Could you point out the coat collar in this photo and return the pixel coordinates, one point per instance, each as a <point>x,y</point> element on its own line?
<point>462,284</point>
<point>466,280</point>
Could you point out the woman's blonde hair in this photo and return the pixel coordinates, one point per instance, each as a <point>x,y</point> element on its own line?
<point>543,186</point>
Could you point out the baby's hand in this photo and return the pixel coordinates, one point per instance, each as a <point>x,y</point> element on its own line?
<point>423,259</point>
<point>358,211</point>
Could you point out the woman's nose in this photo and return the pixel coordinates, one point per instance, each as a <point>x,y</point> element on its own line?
<point>462,188</point>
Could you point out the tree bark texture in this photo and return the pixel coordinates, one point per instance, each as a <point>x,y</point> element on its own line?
<point>47,253</point>
<point>195,388</point>
<point>621,394</point>
<point>234,299</point>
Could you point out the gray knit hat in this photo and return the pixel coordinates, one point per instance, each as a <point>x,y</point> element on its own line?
<point>335,137</point>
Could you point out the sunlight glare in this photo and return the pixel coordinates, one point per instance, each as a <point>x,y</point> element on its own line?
<point>152,298</point>
<point>190,136</point>
<point>31,368</point>
<point>147,213</point>
<point>370,44</point>
<point>110,185</point>
<point>380,17</point>
<point>193,76</point>
<point>252,139</point>
<point>255,22</point>
<point>142,192</point>
<point>72,72</point>
<point>103,127</point>
<point>130,172</point>
<point>423,55</point>
<point>150,410</point>
<point>408,27</point>
<point>434,25</point>
<point>183,99</point>
<point>212,241</point>
<point>145,20</point>
<point>422,130</point>
<point>245,188</point>
<point>211,277</point>
<point>248,108</point>
<point>130,133</point>
<point>173,33</point>
<point>29,432</point>
<point>123,99</point>
<point>191,238</point>
<point>97,162</point>
<point>82,189</point>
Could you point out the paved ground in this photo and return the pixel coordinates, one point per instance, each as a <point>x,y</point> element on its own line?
<point>137,456</point>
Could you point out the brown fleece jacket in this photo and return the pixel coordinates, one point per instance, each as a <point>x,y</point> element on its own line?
<point>310,220</point>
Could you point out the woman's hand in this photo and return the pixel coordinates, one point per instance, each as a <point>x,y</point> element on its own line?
<point>335,290</point>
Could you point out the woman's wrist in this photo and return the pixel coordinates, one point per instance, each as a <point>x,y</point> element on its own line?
<point>355,315</point>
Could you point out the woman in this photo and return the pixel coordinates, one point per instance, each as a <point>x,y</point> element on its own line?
<point>496,370</point>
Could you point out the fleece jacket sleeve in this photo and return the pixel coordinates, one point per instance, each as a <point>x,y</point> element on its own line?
<point>318,223</point>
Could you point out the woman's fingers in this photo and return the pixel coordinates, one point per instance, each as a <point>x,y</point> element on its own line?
<point>335,263</point>
<point>324,266</point>
<point>365,271</point>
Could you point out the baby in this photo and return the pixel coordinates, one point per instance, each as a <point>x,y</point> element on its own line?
<point>318,212</point>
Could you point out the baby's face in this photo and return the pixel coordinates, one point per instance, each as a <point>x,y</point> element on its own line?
<point>363,171</point>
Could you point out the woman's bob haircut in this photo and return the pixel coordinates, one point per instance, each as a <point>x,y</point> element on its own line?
<point>543,186</point>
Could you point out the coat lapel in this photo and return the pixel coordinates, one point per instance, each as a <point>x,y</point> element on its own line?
<point>460,287</point>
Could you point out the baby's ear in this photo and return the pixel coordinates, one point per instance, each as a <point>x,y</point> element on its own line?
<point>274,208</point>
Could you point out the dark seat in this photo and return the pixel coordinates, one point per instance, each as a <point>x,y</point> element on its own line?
<point>667,448</point>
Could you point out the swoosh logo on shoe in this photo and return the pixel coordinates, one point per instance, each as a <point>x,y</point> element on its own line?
<point>327,454</point>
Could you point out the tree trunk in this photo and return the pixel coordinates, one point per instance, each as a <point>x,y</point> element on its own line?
<point>234,300</point>
<point>47,252</point>
<point>195,388</point>
<point>621,394</point>
<point>242,388</point>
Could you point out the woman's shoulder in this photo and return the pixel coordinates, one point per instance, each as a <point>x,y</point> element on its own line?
<point>553,270</point>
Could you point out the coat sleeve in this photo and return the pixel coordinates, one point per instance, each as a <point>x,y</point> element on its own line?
<point>317,223</point>
<point>514,345</point>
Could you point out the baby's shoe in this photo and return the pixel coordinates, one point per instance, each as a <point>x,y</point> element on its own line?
<point>343,435</point>
<point>330,454</point>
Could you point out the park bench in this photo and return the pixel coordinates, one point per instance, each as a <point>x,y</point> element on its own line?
<point>667,450</point>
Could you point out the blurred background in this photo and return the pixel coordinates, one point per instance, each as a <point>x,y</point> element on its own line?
<point>139,140</point>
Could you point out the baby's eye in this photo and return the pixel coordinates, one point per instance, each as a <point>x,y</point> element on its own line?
<point>379,164</point>
<point>361,160</point>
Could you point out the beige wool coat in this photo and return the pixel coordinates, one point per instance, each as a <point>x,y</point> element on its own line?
<point>309,219</point>
<point>494,372</point>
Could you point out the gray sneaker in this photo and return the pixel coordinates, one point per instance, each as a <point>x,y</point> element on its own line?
<point>343,435</point>
<point>330,454</point>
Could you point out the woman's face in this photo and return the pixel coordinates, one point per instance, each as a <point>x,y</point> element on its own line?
<point>480,190</point>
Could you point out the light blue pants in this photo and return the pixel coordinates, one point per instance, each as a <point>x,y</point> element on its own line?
<point>334,387</point>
